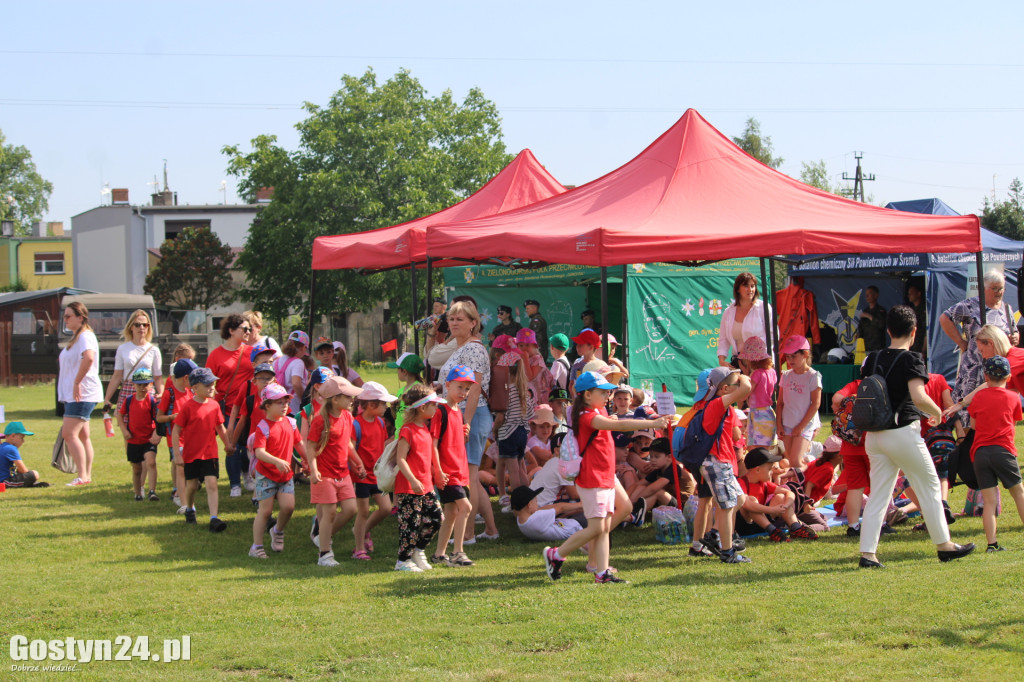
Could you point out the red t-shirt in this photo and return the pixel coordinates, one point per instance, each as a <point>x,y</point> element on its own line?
<point>1016,358</point>
<point>140,422</point>
<point>371,445</point>
<point>849,449</point>
<point>180,397</point>
<point>222,362</point>
<point>724,450</point>
<point>597,470</point>
<point>278,439</point>
<point>421,454</point>
<point>821,477</point>
<point>257,415</point>
<point>333,461</point>
<point>995,412</point>
<point>935,387</point>
<point>759,491</point>
<point>198,422</point>
<point>452,447</point>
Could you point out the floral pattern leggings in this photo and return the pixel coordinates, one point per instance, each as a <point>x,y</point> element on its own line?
<point>419,519</point>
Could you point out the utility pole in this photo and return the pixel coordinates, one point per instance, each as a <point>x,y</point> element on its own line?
<point>858,179</point>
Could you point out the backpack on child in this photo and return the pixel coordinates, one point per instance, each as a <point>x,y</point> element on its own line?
<point>281,366</point>
<point>696,443</point>
<point>872,410</point>
<point>842,423</point>
<point>570,456</point>
<point>161,429</point>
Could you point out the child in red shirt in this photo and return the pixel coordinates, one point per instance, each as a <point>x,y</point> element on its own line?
<point>176,392</point>
<point>598,488</point>
<point>371,434</point>
<point>330,450</point>
<point>198,423</point>
<point>419,516</point>
<point>273,442</point>
<point>994,413</point>
<point>137,419</point>
<point>765,503</point>
<point>856,466</point>
<point>450,433</point>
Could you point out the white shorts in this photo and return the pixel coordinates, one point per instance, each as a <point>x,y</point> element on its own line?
<point>597,502</point>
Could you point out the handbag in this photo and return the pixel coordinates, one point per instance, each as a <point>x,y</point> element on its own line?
<point>61,459</point>
<point>960,464</point>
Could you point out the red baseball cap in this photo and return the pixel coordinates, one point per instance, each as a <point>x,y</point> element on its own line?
<point>589,337</point>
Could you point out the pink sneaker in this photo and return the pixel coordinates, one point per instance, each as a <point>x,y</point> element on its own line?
<point>77,482</point>
<point>368,543</point>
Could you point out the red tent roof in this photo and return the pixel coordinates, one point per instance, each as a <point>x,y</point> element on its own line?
<point>693,195</point>
<point>524,181</point>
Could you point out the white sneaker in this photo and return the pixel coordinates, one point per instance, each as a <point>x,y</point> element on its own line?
<point>250,484</point>
<point>327,560</point>
<point>176,501</point>
<point>409,566</point>
<point>419,557</point>
<point>478,520</point>
<point>485,536</point>
<point>471,541</point>
<point>181,509</point>
<point>236,491</point>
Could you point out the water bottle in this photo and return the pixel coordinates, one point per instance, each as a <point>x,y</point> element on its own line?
<point>108,424</point>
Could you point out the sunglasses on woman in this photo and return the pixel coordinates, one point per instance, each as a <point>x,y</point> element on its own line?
<point>140,325</point>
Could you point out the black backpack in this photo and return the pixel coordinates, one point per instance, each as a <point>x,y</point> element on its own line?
<point>697,442</point>
<point>872,410</point>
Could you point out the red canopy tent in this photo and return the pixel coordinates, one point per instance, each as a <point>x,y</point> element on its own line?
<point>694,196</point>
<point>522,182</point>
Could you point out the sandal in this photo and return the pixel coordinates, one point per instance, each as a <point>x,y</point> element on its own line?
<point>257,552</point>
<point>361,555</point>
<point>439,559</point>
<point>920,527</point>
<point>368,542</point>
<point>276,540</point>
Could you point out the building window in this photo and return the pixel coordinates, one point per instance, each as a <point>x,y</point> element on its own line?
<point>49,263</point>
<point>172,228</point>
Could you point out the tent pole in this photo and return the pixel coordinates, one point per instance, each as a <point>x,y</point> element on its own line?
<point>312,297</point>
<point>415,329</point>
<point>982,311</point>
<point>773,342</point>
<point>624,339</point>
<point>604,313</point>
<point>767,315</point>
<point>428,299</point>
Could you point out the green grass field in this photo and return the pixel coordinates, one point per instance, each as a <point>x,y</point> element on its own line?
<point>91,563</point>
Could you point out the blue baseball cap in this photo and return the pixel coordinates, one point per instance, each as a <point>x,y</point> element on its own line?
<point>997,367</point>
<point>257,349</point>
<point>702,385</point>
<point>201,375</point>
<point>320,375</point>
<point>183,367</point>
<point>262,367</point>
<point>461,373</point>
<point>589,380</point>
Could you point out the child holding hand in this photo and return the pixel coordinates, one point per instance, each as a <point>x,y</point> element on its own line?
<point>176,392</point>
<point>371,435</point>
<point>330,450</point>
<point>596,484</point>
<point>419,516</point>
<point>450,434</point>
<point>273,442</point>
<point>137,419</point>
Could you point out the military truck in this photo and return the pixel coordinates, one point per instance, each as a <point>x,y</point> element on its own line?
<point>109,313</point>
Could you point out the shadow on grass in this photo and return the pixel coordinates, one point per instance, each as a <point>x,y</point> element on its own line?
<point>963,642</point>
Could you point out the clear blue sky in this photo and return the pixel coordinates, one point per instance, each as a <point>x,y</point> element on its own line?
<point>103,92</point>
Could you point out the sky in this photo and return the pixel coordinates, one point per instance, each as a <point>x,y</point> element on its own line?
<point>102,93</point>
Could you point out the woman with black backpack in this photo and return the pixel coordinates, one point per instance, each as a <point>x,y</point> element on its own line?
<point>894,441</point>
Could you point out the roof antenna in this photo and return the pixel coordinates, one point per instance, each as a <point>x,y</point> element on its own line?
<point>165,175</point>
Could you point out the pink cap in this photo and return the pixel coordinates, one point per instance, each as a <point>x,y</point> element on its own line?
<point>794,344</point>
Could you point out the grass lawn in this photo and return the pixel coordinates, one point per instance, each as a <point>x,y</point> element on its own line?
<point>91,563</point>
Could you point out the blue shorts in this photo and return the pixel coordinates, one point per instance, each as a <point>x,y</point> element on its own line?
<point>479,429</point>
<point>514,445</point>
<point>722,481</point>
<point>266,488</point>
<point>79,410</point>
<point>365,491</point>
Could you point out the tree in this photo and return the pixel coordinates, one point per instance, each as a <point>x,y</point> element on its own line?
<point>24,195</point>
<point>815,174</point>
<point>1006,217</point>
<point>757,146</point>
<point>374,156</point>
<point>194,271</point>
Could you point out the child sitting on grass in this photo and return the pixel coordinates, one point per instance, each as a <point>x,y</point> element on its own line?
<point>13,472</point>
<point>275,439</point>
<point>995,411</point>
<point>765,503</point>
<point>137,420</point>
<point>542,427</point>
<point>553,522</point>
<point>658,487</point>
<point>194,441</point>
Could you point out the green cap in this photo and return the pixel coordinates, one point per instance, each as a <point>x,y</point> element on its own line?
<point>559,341</point>
<point>15,428</point>
<point>410,362</point>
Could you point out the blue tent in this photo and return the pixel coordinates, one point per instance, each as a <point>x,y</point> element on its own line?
<point>837,279</point>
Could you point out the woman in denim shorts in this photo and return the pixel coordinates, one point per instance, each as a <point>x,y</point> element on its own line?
<point>79,388</point>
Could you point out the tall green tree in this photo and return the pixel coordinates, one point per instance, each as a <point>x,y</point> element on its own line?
<point>24,194</point>
<point>375,155</point>
<point>194,272</point>
<point>815,174</point>
<point>1006,217</point>
<point>757,145</point>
